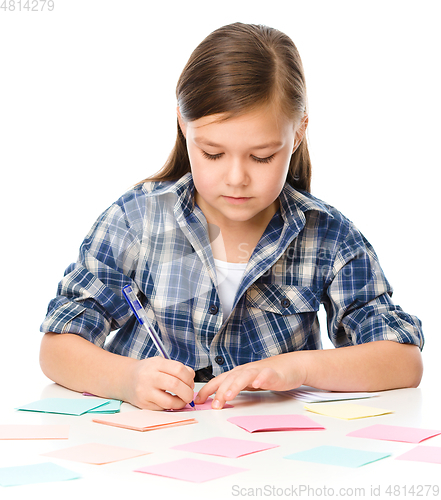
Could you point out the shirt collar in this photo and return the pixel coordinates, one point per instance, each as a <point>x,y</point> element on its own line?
<point>183,192</point>
<point>293,203</point>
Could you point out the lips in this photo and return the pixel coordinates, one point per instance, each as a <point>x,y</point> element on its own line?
<point>236,200</point>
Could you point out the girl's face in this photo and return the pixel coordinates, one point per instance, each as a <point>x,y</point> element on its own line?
<point>239,165</point>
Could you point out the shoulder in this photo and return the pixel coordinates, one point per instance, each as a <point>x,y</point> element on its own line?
<point>336,229</point>
<point>149,200</point>
<point>141,192</point>
<point>130,209</point>
<point>139,196</point>
<point>314,211</point>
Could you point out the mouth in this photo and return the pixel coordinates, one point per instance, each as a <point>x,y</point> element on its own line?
<point>236,200</point>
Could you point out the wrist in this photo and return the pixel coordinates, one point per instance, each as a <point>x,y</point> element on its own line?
<point>123,379</point>
<point>295,368</point>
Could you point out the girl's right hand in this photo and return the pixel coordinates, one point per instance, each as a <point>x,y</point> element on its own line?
<point>150,381</point>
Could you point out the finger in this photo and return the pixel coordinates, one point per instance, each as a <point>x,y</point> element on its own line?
<point>148,405</point>
<point>177,369</point>
<point>161,400</point>
<point>171,384</point>
<point>233,384</point>
<point>267,379</point>
<point>177,388</point>
<point>174,377</point>
<point>209,388</point>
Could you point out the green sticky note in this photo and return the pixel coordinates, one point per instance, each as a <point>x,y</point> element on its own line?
<point>66,406</point>
<point>37,473</point>
<point>334,455</point>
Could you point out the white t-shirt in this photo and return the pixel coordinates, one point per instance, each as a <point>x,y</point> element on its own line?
<point>229,276</point>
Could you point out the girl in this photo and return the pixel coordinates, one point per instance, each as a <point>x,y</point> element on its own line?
<point>230,256</point>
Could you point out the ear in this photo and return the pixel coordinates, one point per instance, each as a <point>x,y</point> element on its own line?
<point>300,132</point>
<point>181,122</point>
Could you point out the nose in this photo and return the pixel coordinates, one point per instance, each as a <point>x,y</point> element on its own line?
<point>236,174</point>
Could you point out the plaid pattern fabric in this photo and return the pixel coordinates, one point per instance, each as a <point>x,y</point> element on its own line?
<point>155,239</point>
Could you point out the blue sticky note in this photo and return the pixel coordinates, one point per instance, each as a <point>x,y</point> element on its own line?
<point>334,455</point>
<point>111,406</point>
<point>66,406</point>
<point>37,473</point>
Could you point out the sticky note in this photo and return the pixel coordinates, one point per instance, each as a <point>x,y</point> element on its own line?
<point>190,469</point>
<point>37,473</point>
<point>145,420</point>
<point>111,406</point>
<point>225,447</point>
<point>334,455</point>
<point>430,454</point>
<point>394,433</point>
<point>66,406</point>
<point>261,423</point>
<point>34,431</point>
<point>347,411</point>
<point>95,453</point>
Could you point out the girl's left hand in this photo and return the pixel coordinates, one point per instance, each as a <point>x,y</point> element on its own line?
<point>268,374</point>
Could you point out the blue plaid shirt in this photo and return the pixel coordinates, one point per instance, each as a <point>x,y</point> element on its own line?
<point>156,239</point>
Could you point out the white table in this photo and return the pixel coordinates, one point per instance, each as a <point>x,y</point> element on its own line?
<point>270,475</point>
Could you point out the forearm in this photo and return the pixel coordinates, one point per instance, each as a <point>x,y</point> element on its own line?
<point>77,364</point>
<point>154,383</point>
<point>374,366</point>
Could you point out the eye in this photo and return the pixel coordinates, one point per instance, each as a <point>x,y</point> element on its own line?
<point>211,157</point>
<point>263,160</point>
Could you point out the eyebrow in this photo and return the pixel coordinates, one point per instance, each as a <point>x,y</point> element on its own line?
<point>206,142</point>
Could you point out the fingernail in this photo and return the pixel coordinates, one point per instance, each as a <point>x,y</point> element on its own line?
<point>216,404</point>
<point>228,394</point>
<point>197,399</point>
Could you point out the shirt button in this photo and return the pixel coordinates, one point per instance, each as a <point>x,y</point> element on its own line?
<point>213,309</point>
<point>285,303</point>
<point>219,360</point>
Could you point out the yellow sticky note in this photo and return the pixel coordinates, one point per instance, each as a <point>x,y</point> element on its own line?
<point>346,411</point>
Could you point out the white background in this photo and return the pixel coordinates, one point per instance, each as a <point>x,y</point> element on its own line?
<point>87,109</point>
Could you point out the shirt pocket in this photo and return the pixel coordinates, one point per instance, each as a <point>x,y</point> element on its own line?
<point>279,319</point>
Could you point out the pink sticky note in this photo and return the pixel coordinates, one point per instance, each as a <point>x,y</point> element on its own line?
<point>395,433</point>
<point>225,447</point>
<point>190,469</point>
<point>95,453</point>
<point>431,454</point>
<point>259,423</point>
<point>34,431</point>
<point>144,420</point>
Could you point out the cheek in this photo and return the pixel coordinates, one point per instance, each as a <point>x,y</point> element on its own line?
<point>276,176</point>
<point>195,167</point>
<point>203,182</point>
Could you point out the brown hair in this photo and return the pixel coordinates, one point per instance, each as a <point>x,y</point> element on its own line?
<point>236,69</point>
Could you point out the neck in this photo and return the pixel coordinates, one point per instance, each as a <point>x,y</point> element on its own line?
<point>233,242</point>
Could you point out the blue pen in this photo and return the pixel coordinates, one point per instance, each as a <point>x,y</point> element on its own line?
<point>141,316</point>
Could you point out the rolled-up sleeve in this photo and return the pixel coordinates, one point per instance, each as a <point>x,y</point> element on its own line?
<point>89,300</point>
<point>358,299</point>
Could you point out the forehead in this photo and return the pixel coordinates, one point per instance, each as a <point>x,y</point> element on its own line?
<point>263,124</point>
